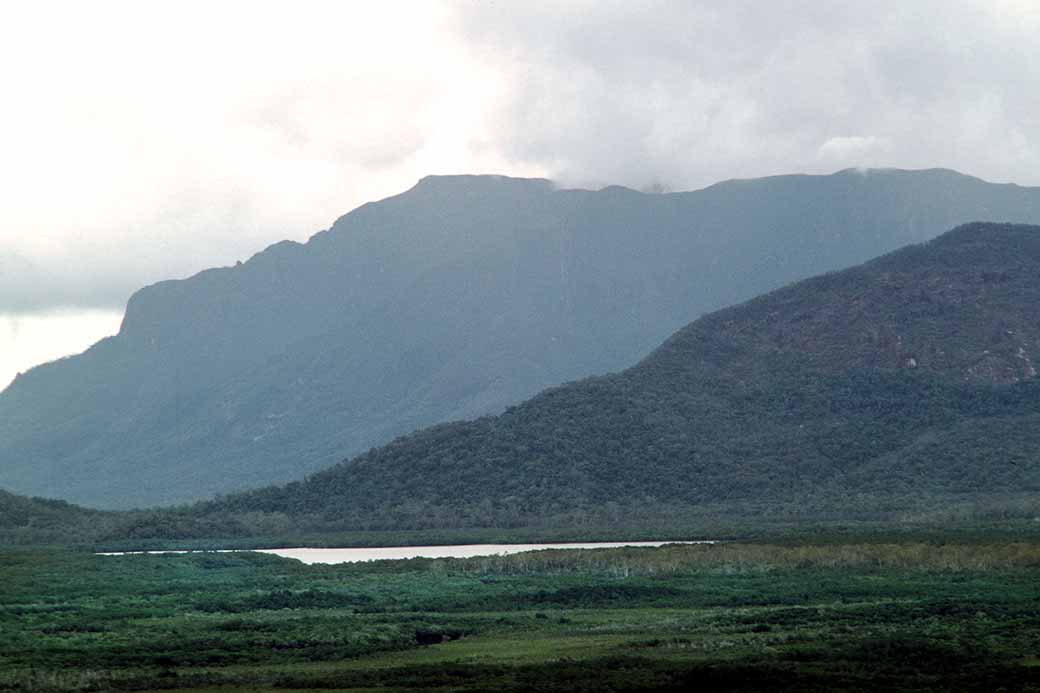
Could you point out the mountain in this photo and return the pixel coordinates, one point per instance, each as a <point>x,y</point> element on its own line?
<point>909,382</point>
<point>454,299</point>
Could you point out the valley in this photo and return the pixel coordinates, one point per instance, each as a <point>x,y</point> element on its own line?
<point>512,347</point>
<point>861,444</point>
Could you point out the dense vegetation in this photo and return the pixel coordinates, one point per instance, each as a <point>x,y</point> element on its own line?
<point>912,615</point>
<point>452,300</point>
<point>905,385</point>
<point>42,521</point>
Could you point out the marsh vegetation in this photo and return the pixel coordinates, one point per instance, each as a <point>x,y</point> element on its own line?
<point>857,614</point>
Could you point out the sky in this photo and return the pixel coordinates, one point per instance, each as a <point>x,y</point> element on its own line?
<point>148,141</point>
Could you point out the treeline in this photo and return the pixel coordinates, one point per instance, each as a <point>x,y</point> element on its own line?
<point>684,559</point>
<point>184,528</point>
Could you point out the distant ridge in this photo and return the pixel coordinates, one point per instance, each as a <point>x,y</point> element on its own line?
<point>454,299</point>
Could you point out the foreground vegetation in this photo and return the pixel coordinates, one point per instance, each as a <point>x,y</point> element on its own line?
<point>908,614</point>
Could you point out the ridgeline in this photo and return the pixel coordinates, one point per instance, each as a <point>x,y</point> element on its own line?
<point>453,300</point>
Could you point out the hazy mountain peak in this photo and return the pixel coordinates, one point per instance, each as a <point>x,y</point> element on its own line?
<point>455,182</point>
<point>892,171</point>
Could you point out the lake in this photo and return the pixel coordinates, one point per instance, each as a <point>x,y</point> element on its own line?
<point>355,555</point>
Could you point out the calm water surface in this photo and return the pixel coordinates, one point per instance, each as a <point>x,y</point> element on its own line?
<point>458,551</point>
<point>455,551</point>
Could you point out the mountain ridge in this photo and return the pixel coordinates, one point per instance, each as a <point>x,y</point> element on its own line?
<point>427,306</point>
<point>711,416</point>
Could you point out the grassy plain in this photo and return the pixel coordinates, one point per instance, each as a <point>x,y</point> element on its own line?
<point>847,613</point>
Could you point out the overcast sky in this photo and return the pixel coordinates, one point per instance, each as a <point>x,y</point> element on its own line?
<point>143,141</point>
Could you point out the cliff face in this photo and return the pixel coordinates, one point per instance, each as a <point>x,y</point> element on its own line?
<point>452,300</point>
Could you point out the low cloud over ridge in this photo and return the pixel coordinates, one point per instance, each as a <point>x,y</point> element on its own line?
<point>686,94</point>
<point>129,159</point>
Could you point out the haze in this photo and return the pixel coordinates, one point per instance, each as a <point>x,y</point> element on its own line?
<point>142,142</point>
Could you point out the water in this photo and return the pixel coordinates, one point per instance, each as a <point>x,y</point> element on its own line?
<point>458,551</point>
<point>310,556</point>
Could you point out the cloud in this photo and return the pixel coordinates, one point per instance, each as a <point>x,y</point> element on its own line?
<point>28,287</point>
<point>145,141</point>
<point>856,150</point>
<point>690,93</point>
<point>28,340</point>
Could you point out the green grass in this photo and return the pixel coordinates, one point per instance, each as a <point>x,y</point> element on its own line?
<point>911,615</point>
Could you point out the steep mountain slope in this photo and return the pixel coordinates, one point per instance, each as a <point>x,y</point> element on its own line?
<point>909,379</point>
<point>454,299</point>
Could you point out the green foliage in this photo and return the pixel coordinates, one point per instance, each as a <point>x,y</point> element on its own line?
<point>801,615</point>
<point>284,599</point>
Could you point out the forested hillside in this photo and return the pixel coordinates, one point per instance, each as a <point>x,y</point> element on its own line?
<point>455,299</point>
<point>905,383</point>
<point>38,520</point>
